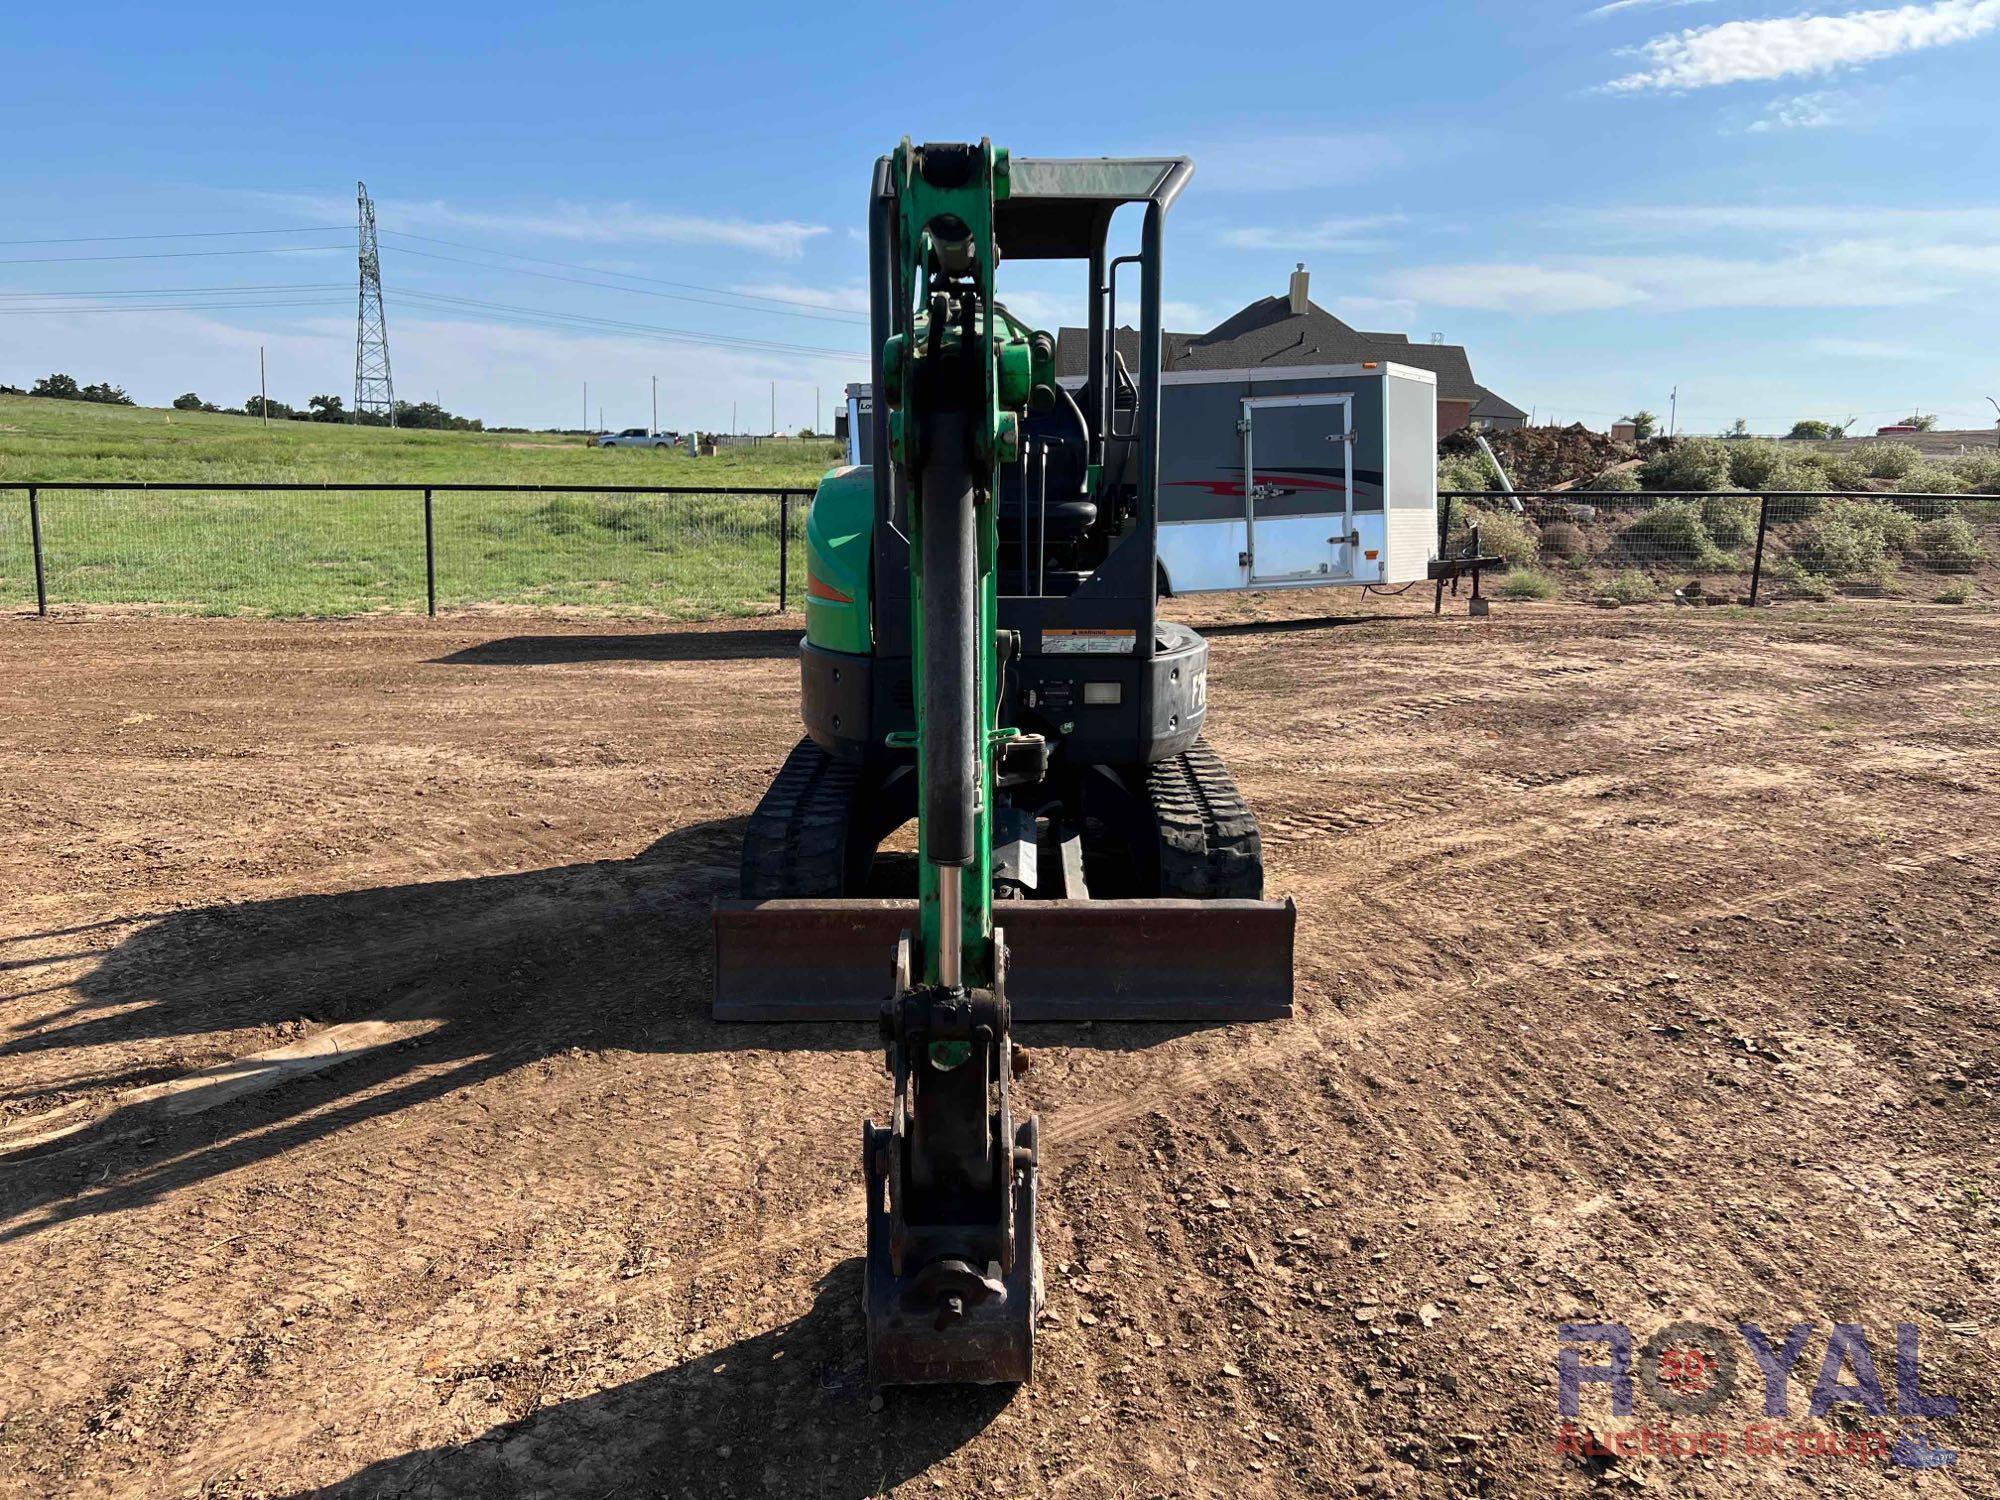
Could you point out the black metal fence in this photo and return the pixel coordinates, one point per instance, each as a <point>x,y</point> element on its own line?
<point>1621,546</point>
<point>333,548</point>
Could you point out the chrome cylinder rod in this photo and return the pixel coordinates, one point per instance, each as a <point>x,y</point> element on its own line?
<point>951,927</point>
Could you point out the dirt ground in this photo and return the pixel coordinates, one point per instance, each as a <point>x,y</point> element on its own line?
<point>364,1132</point>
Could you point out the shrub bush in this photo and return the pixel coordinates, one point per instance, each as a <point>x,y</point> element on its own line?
<point>1501,533</point>
<point>1697,463</point>
<point>1955,593</point>
<point>1834,547</point>
<point>1757,464</point>
<point>1895,526</point>
<point>1528,583</point>
<point>1949,544</point>
<point>1933,479</point>
<point>1828,471</point>
<point>1888,460</point>
<point>1623,479</point>
<point>1632,587</point>
<point>1466,471</point>
<point>1796,580</point>
<point>1562,539</point>
<point>1730,522</point>
<point>1978,472</point>
<point>1673,531</point>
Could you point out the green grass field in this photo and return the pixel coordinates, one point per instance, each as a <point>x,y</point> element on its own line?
<point>345,553</point>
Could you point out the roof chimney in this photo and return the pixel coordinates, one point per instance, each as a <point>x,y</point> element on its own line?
<point>1299,302</point>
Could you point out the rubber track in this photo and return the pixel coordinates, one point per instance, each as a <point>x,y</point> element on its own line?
<point>796,844</point>
<point>1208,840</point>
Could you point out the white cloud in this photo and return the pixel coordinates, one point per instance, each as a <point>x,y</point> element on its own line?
<point>1391,313</point>
<point>1186,317</point>
<point>500,372</point>
<point>1743,51</point>
<point>1867,349</point>
<point>613,223</point>
<point>1042,308</point>
<point>1871,272</point>
<point>1513,287</point>
<point>602,223</point>
<point>1622,5</point>
<point>1685,219</point>
<point>1802,112</point>
<point>851,298</point>
<point>1329,234</point>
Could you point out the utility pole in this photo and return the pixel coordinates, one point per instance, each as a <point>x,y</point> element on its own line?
<point>815,411</point>
<point>586,406</point>
<point>655,430</point>
<point>374,391</point>
<point>263,394</point>
<point>1673,410</point>
<point>732,419</point>
<point>774,408</point>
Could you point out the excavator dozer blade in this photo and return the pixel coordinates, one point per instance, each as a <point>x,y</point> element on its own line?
<point>1148,960</point>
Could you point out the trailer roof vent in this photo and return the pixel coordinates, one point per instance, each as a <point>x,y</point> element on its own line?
<point>1299,280</point>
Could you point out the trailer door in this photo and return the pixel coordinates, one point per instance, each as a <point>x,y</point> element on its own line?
<point>1298,487</point>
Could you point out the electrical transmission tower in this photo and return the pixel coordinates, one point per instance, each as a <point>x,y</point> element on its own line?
<point>374,391</point>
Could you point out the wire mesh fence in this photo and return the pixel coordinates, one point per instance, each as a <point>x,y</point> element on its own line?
<point>17,555</point>
<point>329,550</point>
<point>1908,546</point>
<point>689,554</point>
<point>288,552</point>
<point>1629,548</point>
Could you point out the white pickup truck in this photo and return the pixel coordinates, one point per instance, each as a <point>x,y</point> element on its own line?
<point>637,437</point>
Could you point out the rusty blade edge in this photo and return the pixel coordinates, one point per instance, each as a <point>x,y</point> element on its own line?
<point>1147,960</point>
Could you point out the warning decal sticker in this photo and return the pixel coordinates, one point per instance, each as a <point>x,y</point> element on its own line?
<point>1097,640</point>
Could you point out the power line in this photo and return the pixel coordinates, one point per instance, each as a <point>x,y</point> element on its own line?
<point>568,265</point>
<point>619,325</point>
<point>53,260</point>
<point>821,315</point>
<point>140,307</point>
<point>192,234</point>
<point>177,291</point>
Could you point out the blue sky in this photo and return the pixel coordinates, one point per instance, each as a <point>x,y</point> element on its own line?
<point>1785,210</point>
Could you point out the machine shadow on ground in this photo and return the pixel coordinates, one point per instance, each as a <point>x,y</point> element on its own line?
<point>783,1412</point>
<point>476,977</point>
<point>685,645</point>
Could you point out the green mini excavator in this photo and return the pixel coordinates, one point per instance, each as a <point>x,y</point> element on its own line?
<point>983,655</point>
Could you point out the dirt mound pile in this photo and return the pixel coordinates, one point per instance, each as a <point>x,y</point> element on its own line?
<point>1538,457</point>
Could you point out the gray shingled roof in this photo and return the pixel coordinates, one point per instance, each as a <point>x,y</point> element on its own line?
<point>1267,333</point>
<point>1489,405</point>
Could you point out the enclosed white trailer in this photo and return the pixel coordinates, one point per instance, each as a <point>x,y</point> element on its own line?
<point>1297,477</point>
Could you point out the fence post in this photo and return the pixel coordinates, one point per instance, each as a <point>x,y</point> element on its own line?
<point>41,568</point>
<point>1757,564</point>
<point>430,560</point>
<point>784,550</point>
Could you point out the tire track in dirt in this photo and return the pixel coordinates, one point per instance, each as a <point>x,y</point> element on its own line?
<point>556,1168</point>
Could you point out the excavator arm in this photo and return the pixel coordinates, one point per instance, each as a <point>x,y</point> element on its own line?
<point>952,1281</point>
